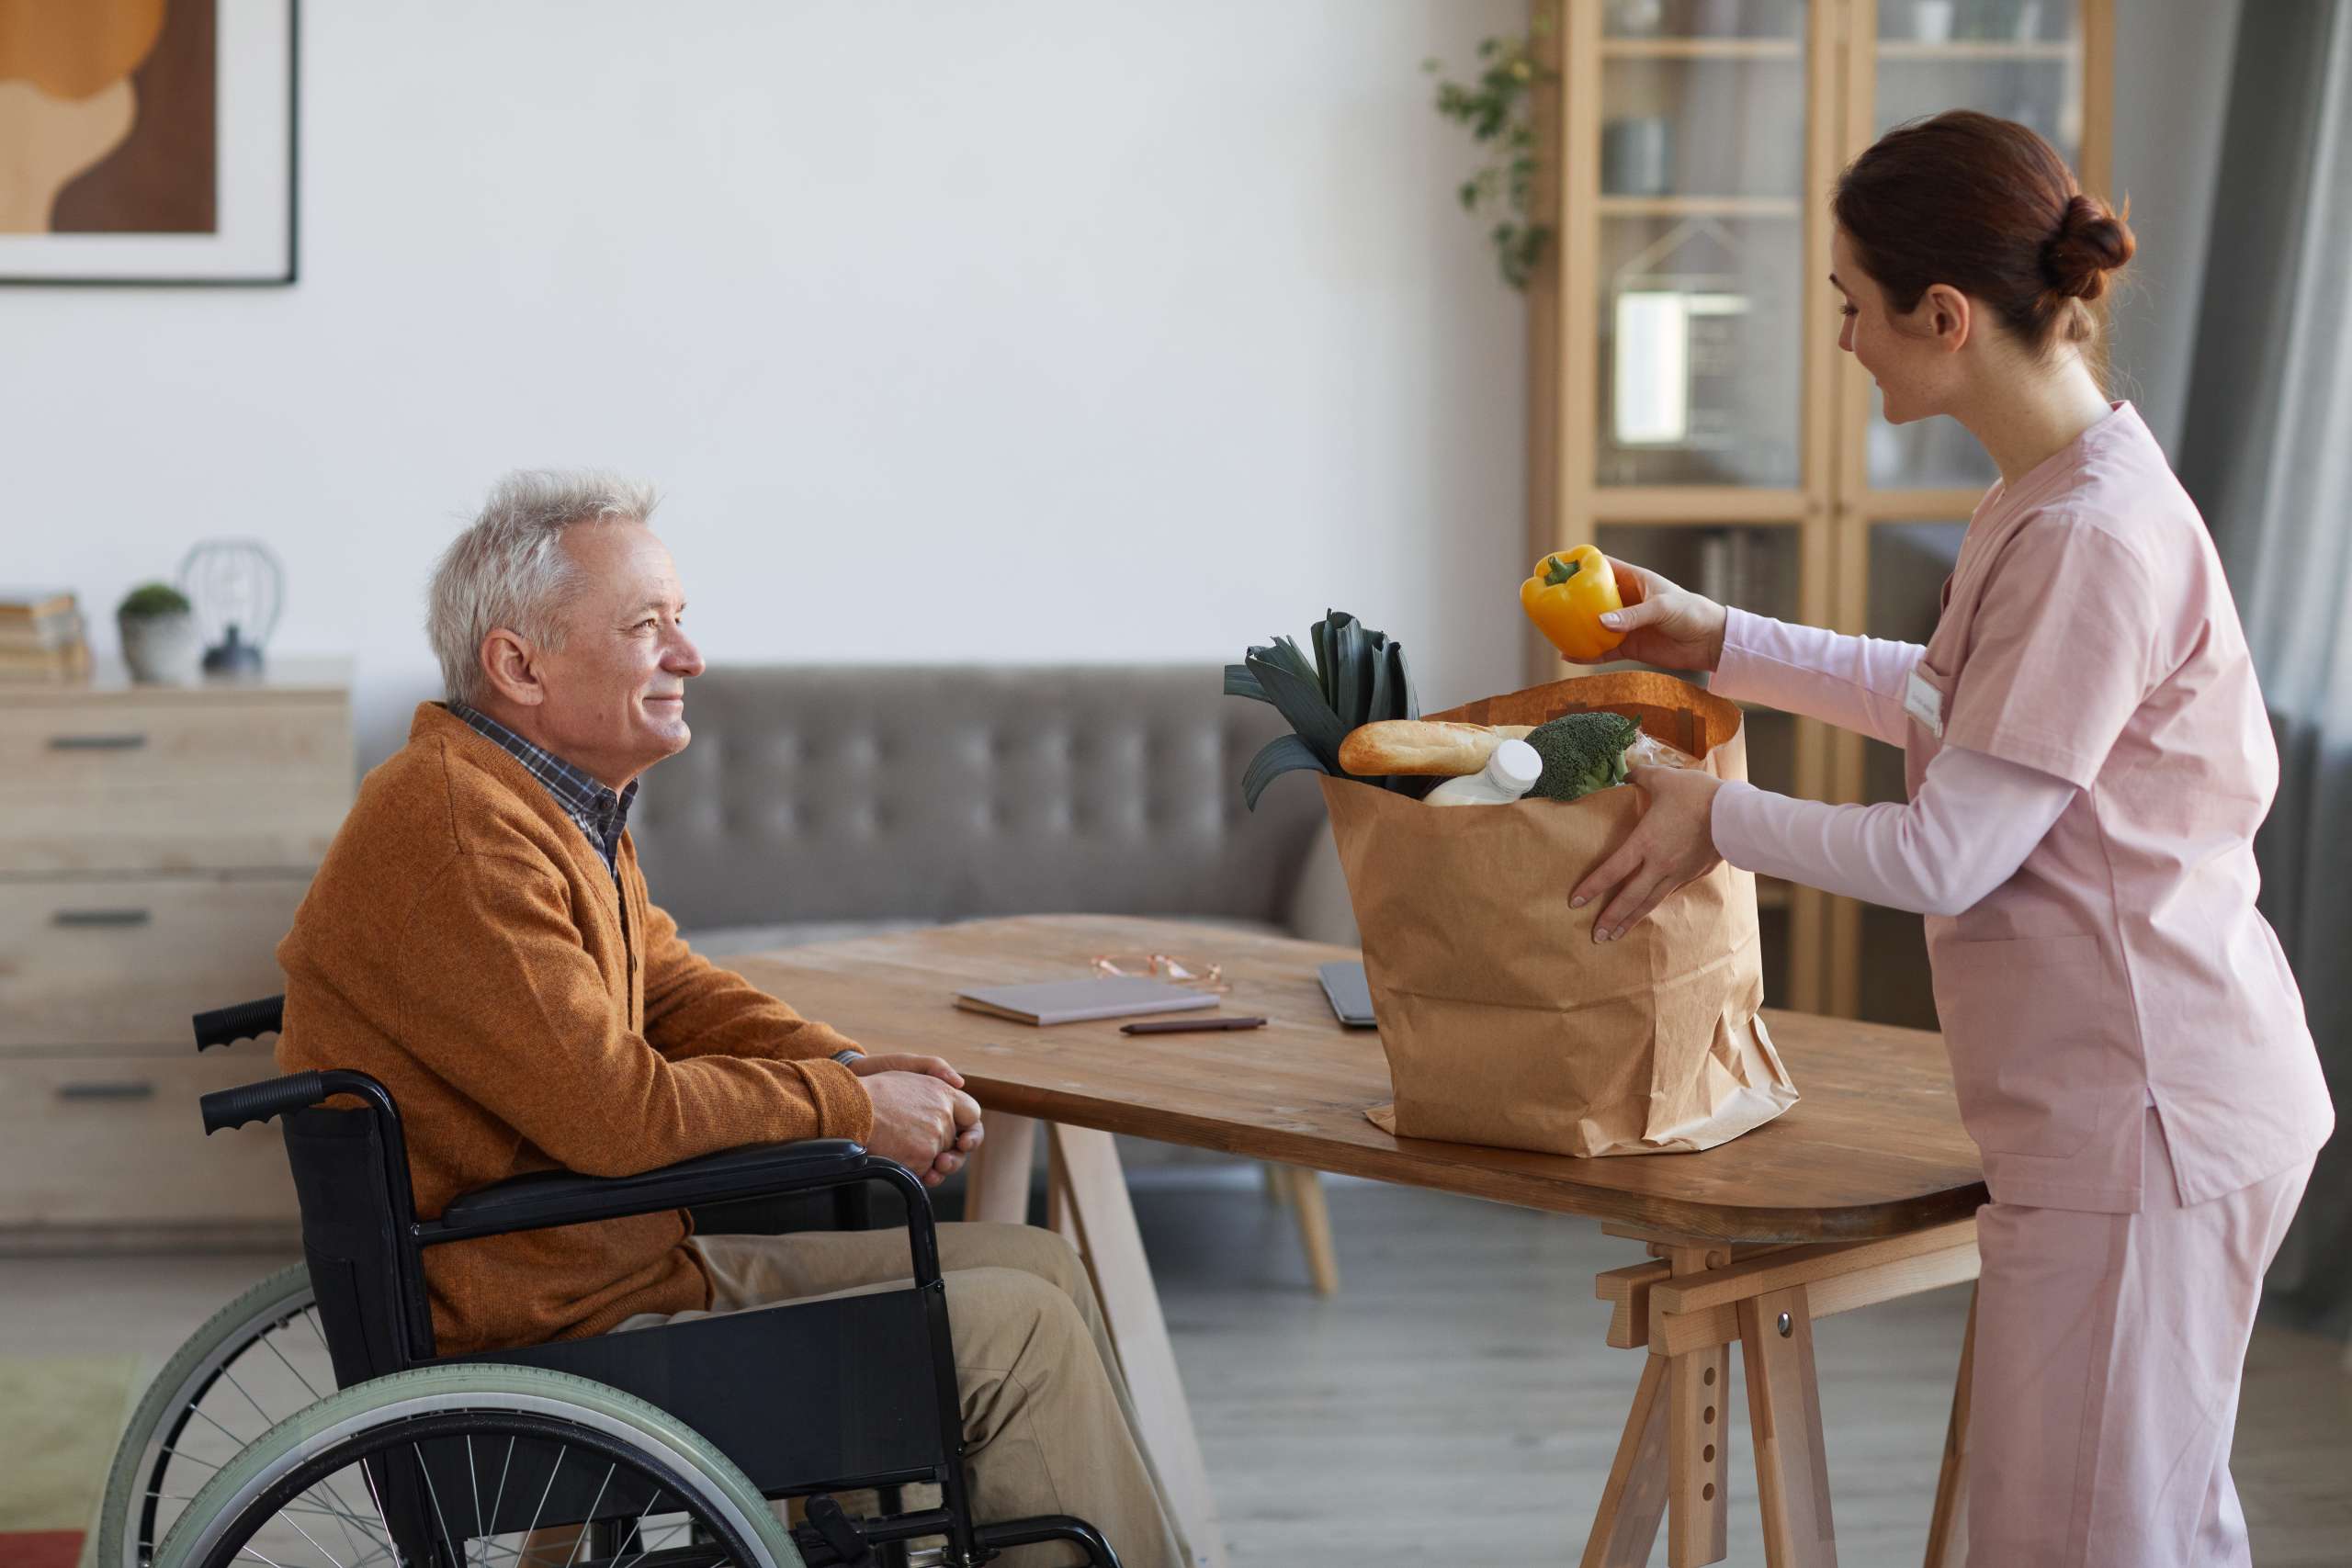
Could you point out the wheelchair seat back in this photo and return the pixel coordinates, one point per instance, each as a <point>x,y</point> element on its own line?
<point>365,1269</point>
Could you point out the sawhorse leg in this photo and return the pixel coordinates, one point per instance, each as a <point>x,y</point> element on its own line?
<point>1625,1525</point>
<point>1672,1462</point>
<point>1686,1308</point>
<point>1784,1417</point>
<point>1948,1526</point>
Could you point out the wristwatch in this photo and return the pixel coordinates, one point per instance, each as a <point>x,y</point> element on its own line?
<point>846,1057</point>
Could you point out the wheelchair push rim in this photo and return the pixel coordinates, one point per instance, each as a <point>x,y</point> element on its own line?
<point>313,1488</point>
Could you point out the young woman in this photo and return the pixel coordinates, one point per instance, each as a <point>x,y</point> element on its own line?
<point>2087,757</point>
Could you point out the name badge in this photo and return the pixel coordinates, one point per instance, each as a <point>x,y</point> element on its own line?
<point>1924,703</point>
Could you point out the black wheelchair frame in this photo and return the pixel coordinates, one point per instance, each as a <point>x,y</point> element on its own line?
<point>846,1408</point>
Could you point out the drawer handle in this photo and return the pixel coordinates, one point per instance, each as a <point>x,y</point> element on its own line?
<point>100,917</point>
<point>106,1091</point>
<point>97,743</point>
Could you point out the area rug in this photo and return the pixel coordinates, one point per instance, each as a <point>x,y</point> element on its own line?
<point>62,1415</point>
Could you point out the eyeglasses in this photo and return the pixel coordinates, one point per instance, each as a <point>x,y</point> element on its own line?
<point>1163,967</point>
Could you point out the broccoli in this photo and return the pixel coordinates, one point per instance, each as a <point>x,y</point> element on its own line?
<point>1582,752</point>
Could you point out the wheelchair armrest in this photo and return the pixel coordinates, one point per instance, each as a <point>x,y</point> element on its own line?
<point>562,1198</point>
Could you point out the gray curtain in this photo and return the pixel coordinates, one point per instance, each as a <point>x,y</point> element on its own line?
<point>2268,455</point>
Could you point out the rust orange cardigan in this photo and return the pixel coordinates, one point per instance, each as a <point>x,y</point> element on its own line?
<point>463,945</point>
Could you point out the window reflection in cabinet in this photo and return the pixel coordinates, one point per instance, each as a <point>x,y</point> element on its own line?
<point>1701,366</point>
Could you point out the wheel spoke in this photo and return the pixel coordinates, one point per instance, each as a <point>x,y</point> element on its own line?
<point>199,1412</point>
<point>638,1529</point>
<point>489,1545</point>
<point>540,1512</point>
<point>379,1535</point>
<point>307,1385</point>
<point>474,1478</point>
<point>268,1420</point>
<point>288,1515</point>
<point>501,1497</point>
<point>598,1503</point>
<point>682,1515</point>
<point>416,1451</point>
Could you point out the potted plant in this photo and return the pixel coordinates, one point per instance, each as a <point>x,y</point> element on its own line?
<point>1499,109</point>
<point>160,641</point>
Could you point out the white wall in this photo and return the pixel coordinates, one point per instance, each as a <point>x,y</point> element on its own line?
<point>1020,330</point>
<point>1016,331</point>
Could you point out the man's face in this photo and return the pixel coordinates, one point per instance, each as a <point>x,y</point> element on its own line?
<point>613,701</point>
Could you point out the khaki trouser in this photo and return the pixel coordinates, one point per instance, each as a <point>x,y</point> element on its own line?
<point>1047,1420</point>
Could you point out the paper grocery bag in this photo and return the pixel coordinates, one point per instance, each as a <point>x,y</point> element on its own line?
<point>1504,1021</point>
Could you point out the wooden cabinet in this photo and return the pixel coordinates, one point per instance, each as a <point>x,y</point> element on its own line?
<point>154,844</point>
<point>1690,408</point>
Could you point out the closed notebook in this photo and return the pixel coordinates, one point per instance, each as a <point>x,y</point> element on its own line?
<point>1074,1001</point>
<point>1350,994</point>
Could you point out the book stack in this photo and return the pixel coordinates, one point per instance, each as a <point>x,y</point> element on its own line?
<point>42,635</point>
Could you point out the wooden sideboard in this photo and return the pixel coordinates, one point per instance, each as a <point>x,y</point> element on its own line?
<point>154,844</point>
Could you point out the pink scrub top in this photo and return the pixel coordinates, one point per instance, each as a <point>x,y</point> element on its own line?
<point>2088,631</point>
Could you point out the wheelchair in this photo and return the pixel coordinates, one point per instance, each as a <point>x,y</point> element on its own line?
<point>621,1450</point>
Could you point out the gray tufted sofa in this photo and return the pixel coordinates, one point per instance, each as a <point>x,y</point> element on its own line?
<point>825,801</point>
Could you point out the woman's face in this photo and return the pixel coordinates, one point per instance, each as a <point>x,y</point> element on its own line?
<point>1913,358</point>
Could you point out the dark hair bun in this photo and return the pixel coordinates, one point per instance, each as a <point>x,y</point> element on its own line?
<point>2091,241</point>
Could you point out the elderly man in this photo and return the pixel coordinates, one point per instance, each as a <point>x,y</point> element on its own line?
<point>482,941</point>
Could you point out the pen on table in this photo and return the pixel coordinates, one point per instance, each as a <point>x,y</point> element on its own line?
<point>1186,1025</point>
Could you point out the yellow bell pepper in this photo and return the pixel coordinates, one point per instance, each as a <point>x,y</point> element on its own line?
<point>1567,597</point>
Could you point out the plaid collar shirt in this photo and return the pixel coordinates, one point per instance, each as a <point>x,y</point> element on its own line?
<point>597,810</point>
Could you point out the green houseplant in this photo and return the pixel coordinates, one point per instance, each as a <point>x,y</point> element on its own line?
<point>160,641</point>
<point>1498,107</point>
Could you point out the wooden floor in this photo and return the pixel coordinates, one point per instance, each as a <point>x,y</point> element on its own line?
<point>1454,1404</point>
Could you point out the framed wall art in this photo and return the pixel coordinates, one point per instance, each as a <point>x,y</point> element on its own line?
<point>147,141</point>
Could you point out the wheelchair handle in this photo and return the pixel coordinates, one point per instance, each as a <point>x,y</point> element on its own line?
<point>246,1020</point>
<point>260,1101</point>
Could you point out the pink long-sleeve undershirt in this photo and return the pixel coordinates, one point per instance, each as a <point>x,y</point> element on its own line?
<point>1972,824</point>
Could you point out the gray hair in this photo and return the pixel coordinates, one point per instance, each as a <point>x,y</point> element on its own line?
<point>508,568</point>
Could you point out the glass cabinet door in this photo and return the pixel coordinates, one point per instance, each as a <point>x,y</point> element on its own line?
<point>1702,241</point>
<point>2021,60</point>
<point>1753,565</point>
<point>1908,564</point>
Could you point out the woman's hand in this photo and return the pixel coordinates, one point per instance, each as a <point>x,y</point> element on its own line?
<point>1672,846</point>
<point>1665,625</point>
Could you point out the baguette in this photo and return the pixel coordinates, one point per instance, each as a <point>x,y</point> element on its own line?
<point>1423,746</point>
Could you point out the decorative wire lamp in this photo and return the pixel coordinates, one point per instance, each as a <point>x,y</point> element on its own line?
<point>238,589</point>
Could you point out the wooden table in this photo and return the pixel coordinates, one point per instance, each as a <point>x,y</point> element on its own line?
<point>1864,1192</point>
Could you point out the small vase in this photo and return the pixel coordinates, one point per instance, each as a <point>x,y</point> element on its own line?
<point>162,649</point>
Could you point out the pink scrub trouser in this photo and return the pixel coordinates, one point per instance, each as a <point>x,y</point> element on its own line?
<point>2105,1394</point>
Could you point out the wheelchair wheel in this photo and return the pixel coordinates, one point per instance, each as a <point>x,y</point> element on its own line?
<point>254,1362</point>
<point>479,1466</point>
